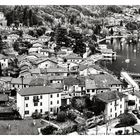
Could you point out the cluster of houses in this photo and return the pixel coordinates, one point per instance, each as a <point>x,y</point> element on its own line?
<point>48,80</point>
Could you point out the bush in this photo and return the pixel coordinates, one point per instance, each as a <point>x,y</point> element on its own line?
<point>61,116</point>
<point>36,115</point>
<point>72,116</point>
<point>48,130</point>
<point>67,130</point>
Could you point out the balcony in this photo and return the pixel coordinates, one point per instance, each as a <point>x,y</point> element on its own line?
<point>35,99</point>
<point>66,96</point>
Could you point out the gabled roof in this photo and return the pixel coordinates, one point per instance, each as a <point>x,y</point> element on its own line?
<point>70,81</point>
<point>6,79</point>
<point>110,96</point>
<point>18,81</point>
<point>104,80</point>
<point>38,90</point>
<point>73,56</point>
<point>38,82</point>
<point>41,60</point>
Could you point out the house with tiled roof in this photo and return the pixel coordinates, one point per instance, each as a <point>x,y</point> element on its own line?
<point>56,71</point>
<point>39,99</point>
<point>103,82</point>
<point>44,38</point>
<point>19,83</point>
<point>6,82</point>
<point>28,38</point>
<point>74,58</point>
<point>4,61</point>
<point>74,85</point>
<point>46,62</point>
<point>12,37</point>
<point>85,70</point>
<point>115,103</point>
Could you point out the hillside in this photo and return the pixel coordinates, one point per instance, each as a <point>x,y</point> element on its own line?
<point>50,14</point>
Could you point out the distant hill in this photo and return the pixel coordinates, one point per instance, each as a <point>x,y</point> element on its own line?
<point>51,14</point>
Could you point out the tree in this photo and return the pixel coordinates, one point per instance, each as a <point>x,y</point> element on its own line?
<point>127,119</point>
<point>97,106</point>
<point>61,116</point>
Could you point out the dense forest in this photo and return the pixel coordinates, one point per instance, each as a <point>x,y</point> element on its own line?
<point>39,15</point>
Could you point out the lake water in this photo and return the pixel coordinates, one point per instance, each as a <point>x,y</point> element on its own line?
<point>124,52</point>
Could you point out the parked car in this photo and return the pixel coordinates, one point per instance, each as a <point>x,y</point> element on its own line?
<point>136,112</point>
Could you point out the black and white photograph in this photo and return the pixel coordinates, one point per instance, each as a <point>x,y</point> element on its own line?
<point>69,69</point>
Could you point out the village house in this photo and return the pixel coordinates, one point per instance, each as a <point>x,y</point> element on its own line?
<point>6,82</point>
<point>12,37</point>
<point>28,38</point>
<point>45,52</point>
<point>41,99</point>
<point>85,70</point>
<point>44,38</point>
<point>74,58</point>
<point>56,71</point>
<point>46,63</point>
<point>133,99</point>
<point>19,83</point>
<point>73,86</point>
<point>3,21</point>
<point>4,61</point>
<point>103,82</point>
<point>115,103</point>
<point>56,82</point>
<point>36,48</point>
<point>66,50</point>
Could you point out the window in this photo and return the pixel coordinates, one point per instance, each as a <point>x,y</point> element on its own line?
<point>120,112</point>
<point>26,112</point>
<point>111,103</point>
<point>87,90</point>
<point>115,114</point>
<point>40,96</point>
<point>24,85</point>
<point>93,90</point>
<point>51,95</point>
<point>51,103</point>
<point>57,95</point>
<point>101,91</point>
<point>40,110</point>
<point>51,109</point>
<point>13,85</point>
<point>40,103</point>
<point>120,106</point>
<point>26,105</point>
<point>57,102</point>
<point>35,104</point>
<point>111,110</point>
<point>120,99</point>
<point>26,98</point>
<point>115,107</point>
